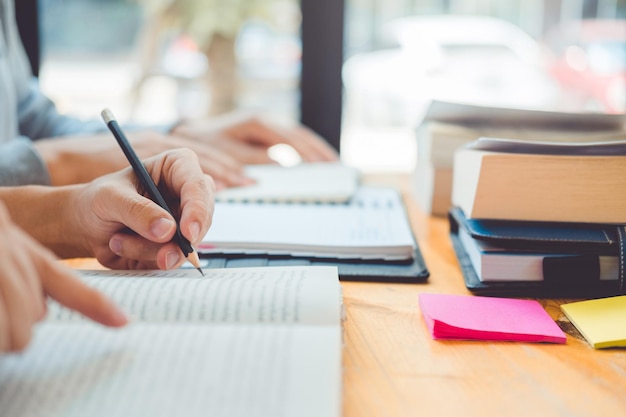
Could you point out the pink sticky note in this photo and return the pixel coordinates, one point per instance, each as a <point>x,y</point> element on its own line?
<point>487,318</point>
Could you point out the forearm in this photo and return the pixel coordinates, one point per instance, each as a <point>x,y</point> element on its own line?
<point>46,213</point>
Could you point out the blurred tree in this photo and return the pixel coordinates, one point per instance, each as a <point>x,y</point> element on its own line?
<point>213,25</point>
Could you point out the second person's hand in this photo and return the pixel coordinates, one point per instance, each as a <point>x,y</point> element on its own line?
<point>28,274</point>
<point>80,159</point>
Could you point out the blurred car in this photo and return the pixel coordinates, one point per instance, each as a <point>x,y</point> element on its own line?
<point>589,61</point>
<point>469,59</point>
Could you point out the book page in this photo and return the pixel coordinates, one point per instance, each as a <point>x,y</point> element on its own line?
<point>80,369</point>
<point>609,147</point>
<point>306,182</point>
<point>288,295</point>
<point>476,115</point>
<point>373,225</point>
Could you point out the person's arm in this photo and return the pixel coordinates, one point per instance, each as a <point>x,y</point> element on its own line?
<point>37,115</point>
<point>223,145</point>
<point>71,160</point>
<point>110,220</point>
<point>247,138</point>
<point>30,272</point>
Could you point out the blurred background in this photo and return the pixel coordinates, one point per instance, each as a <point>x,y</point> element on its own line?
<point>154,61</point>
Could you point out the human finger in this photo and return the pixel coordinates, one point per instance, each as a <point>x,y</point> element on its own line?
<point>118,202</point>
<point>219,165</point>
<point>318,148</point>
<point>21,297</point>
<point>18,312</point>
<point>311,147</point>
<point>250,153</point>
<point>61,284</point>
<point>194,190</point>
<point>133,247</point>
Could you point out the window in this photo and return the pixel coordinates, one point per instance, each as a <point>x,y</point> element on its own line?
<point>545,54</point>
<point>152,61</point>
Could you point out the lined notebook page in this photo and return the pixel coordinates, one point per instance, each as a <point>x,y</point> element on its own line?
<point>373,225</point>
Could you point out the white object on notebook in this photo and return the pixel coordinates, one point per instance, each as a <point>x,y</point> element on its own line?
<point>373,225</point>
<point>307,182</point>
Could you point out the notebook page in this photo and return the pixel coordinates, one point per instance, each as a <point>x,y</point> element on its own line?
<point>161,370</point>
<point>306,295</point>
<point>374,225</point>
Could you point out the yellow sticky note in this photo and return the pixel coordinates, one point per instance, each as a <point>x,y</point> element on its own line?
<point>602,322</point>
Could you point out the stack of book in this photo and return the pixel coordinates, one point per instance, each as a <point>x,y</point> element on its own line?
<point>540,218</point>
<point>447,127</point>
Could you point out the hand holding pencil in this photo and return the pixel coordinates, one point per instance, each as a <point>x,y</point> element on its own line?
<point>149,186</point>
<point>114,220</point>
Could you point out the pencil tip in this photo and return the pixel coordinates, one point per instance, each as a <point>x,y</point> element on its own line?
<point>193,258</point>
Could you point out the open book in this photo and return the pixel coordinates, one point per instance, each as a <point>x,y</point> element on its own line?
<point>238,342</point>
<point>476,115</point>
<point>373,225</point>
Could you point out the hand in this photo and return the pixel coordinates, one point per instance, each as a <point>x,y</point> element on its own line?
<point>28,273</point>
<point>80,159</point>
<point>110,220</point>
<point>247,139</point>
<point>126,230</point>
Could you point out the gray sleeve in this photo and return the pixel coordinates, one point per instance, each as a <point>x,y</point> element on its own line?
<point>20,164</point>
<point>39,118</point>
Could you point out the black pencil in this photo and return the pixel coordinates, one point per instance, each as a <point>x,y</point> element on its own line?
<point>148,183</point>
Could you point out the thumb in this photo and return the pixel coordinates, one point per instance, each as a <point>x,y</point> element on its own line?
<point>140,214</point>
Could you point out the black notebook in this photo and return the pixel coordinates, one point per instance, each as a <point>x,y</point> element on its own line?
<point>369,238</point>
<point>411,271</point>
<point>538,258</point>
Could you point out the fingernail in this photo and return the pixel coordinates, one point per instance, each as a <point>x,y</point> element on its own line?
<point>115,244</point>
<point>194,228</point>
<point>161,227</point>
<point>171,259</point>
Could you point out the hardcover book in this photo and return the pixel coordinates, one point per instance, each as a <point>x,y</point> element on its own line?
<point>538,259</point>
<point>565,182</point>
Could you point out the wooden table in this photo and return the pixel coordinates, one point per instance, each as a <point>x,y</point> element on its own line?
<point>392,367</point>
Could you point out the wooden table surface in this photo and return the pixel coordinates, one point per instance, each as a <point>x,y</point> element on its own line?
<point>393,368</point>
